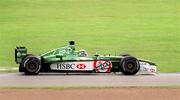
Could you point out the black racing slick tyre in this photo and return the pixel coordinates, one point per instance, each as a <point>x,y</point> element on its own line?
<point>129,65</point>
<point>21,68</point>
<point>31,65</point>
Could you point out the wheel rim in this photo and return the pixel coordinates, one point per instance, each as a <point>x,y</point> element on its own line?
<point>131,66</point>
<point>32,66</point>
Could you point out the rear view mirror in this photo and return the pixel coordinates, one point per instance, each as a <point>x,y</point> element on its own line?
<point>59,56</point>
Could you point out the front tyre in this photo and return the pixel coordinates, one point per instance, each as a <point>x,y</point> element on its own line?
<point>129,65</point>
<point>32,65</point>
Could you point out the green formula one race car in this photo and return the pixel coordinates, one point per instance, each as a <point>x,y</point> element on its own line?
<point>66,59</point>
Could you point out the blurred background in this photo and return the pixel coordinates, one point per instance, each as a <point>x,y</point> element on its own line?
<point>148,29</point>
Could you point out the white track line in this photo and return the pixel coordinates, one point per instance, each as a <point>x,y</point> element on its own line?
<point>8,68</point>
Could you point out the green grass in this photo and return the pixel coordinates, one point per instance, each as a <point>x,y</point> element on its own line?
<point>148,29</point>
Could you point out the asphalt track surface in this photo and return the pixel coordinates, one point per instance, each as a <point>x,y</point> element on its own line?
<point>88,80</point>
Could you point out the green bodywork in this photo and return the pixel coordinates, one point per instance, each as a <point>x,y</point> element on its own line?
<point>66,53</point>
<point>20,54</point>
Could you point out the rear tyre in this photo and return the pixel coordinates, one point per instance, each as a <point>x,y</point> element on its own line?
<point>31,65</point>
<point>129,65</point>
<point>21,68</point>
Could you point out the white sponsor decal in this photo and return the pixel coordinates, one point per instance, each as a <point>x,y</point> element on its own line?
<point>146,68</point>
<point>88,65</point>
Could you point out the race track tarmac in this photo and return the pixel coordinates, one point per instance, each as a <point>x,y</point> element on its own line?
<point>88,80</point>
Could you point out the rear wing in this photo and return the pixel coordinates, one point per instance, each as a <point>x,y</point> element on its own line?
<point>20,53</point>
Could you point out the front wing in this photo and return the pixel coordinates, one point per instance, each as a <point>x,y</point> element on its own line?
<point>147,68</point>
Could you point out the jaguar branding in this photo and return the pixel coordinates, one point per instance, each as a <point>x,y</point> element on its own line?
<point>102,66</point>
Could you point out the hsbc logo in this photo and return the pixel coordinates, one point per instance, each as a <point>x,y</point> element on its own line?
<point>65,66</point>
<point>81,66</point>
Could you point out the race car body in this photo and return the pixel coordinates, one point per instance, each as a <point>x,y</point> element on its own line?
<point>67,59</point>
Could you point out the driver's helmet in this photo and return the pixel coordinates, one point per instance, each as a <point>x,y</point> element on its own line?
<point>82,53</point>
